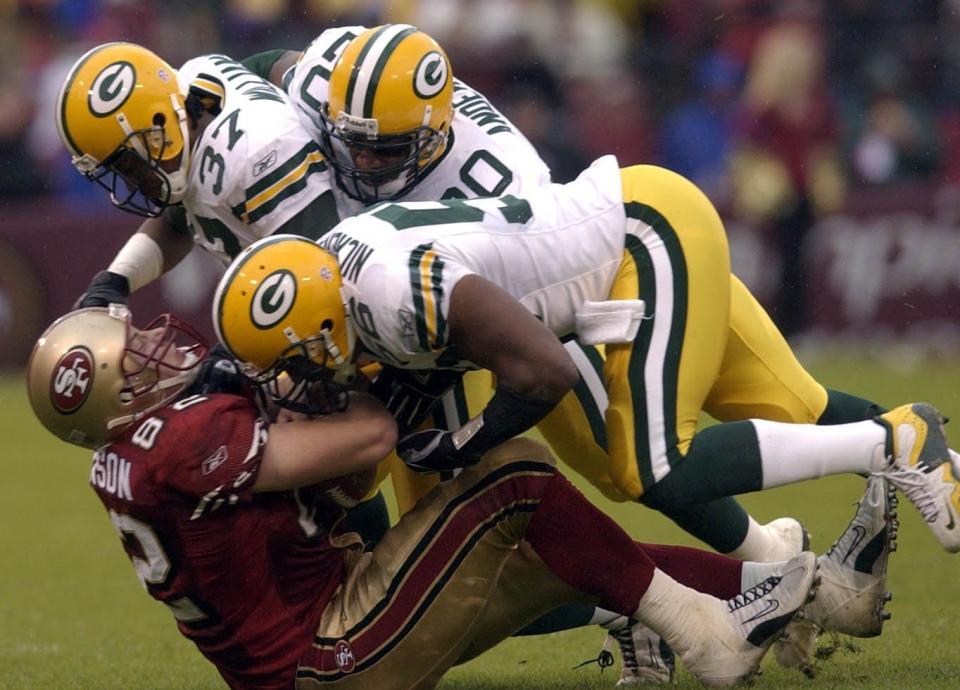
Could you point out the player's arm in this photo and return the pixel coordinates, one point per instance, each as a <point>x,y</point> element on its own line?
<point>306,452</point>
<point>494,331</point>
<point>272,64</point>
<point>158,245</point>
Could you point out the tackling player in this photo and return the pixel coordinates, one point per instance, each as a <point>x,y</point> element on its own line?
<point>215,510</point>
<point>634,258</point>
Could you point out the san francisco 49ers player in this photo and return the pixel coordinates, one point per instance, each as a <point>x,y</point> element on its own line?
<point>215,510</point>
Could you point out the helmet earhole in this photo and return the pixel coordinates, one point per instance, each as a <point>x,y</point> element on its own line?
<point>327,325</point>
<point>159,120</point>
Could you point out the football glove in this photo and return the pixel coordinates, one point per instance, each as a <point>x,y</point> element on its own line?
<point>410,395</point>
<point>220,374</point>
<point>105,289</point>
<point>432,450</point>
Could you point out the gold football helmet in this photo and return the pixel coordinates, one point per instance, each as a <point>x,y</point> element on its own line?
<point>91,373</point>
<point>278,310</point>
<point>388,113</point>
<point>121,114</point>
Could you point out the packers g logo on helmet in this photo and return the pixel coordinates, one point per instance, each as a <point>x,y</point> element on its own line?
<point>112,88</point>
<point>431,75</point>
<point>280,301</point>
<point>121,114</point>
<point>273,299</point>
<point>388,113</point>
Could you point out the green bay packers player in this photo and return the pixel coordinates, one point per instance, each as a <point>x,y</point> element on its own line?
<point>396,125</point>
<point>636,259</point>
<point>218,513</point>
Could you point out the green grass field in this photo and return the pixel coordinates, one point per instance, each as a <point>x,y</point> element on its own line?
<point>72,614</point>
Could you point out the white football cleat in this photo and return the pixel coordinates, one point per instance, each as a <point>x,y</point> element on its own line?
<point>853,577</point>
<point>924,469</point>
<point>646,656</point>
<point>734,635</point>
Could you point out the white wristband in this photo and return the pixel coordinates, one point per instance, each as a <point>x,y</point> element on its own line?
<point>140,261</point>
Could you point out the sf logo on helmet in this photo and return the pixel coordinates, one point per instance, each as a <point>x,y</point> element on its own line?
<point>273,299</point>
<point>111,88</point>
<point>431,75</point>
<point>71,380</point>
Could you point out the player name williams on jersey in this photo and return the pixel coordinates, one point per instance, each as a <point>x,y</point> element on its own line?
<point>254,166</point>
<point>485,155</point>
<point>400,262</point>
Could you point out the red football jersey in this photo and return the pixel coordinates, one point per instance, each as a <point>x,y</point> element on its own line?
<point>245,575</point>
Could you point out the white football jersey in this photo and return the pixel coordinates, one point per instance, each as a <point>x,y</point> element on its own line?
<point>553,249</point>
<point>485,154</point>
<point>254,167</point>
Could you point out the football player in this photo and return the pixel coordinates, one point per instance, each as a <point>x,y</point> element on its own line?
<point>396,125</point>
<point>215,509</point>
<point>633,258</point>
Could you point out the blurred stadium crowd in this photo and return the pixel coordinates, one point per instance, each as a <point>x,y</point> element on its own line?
<point>692,85</point>
<point>781,110</point>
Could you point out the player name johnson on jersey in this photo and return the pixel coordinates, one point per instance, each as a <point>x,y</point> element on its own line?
<point>400,262</point>
<point>254,167</point>
<point>485,155</point>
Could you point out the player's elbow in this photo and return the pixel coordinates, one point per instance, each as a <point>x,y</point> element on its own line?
<point>381,439</point>
<point>548,379</point>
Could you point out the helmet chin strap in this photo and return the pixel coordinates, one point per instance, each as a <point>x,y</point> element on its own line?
<point>179,180</point>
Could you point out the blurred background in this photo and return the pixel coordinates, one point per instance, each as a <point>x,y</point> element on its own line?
<point>826,132</point>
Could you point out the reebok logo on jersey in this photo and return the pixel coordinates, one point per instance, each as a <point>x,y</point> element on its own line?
<point>265,163</point>
<point>273,299</point>
<point>430,76</point>
<point>214,461</point>
<point>111,88</point>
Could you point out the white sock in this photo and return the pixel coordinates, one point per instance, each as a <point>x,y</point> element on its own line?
<point>611,620</point>
<point>673,610</point>
<point>794,452</point>
<point>760,544</point>
<point>753,573</point>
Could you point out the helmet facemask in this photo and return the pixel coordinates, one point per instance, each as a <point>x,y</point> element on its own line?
<point>408,153</point>
<point>310,377</point>
<point>133,174</point>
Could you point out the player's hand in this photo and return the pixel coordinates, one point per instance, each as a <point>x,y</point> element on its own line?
<point>219,374</point>
<point>105,289</point>
<point>432,450</point>
<point>409,395</point>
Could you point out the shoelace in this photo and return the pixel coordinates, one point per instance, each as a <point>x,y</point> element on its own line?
<point>624,637</point>
<point>913,483</point>
<point>759,590</point>
<point>605,657</point>
<point>871,501</point>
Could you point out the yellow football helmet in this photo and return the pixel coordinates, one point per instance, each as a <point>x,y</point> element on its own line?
<point>388,112</point>
<point>121,114</point>
<point>278,310</point>
<point>91,373</point>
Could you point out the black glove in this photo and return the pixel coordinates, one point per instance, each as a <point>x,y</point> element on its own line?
<point>219,374</point>
<point>105,289</point>
<point>432,450</point>
<point>410,395</point>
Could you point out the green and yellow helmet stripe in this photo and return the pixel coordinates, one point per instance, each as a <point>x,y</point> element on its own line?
<point>370,64</point>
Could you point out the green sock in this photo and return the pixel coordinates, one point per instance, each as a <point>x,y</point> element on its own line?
<point>843,408</point>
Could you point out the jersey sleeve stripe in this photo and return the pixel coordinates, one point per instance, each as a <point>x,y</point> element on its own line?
<point>289,179</point>
<point>425,286</point>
